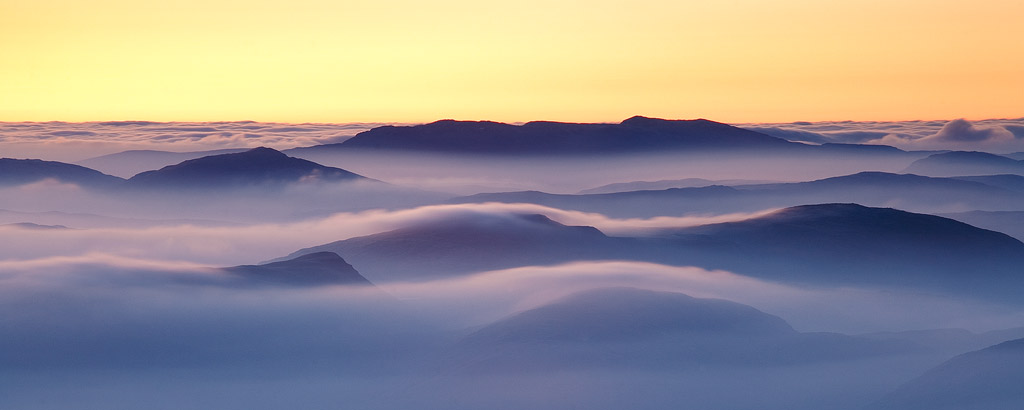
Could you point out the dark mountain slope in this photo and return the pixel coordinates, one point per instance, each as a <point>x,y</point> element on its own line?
<point>256,167</point>
<point>320,268</point>
<point>1005,181</point>
<point>131,162</point>
<point>965,163</point>
<point>1008,222</point>
<point>25,171</point>
<point>469,243</point>
<point>987,379</point>
<point>628,327</point>
<point>868,188</point>
<point>828,245</point>
<point>637,134</point>
<point>836,244</point>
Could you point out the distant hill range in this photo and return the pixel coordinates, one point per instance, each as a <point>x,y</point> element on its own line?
<point>15,172</point>
<point>314,269</point>
<point>987,379</point>
<point>666,184</point>
<point>824,245</point>
<point>258,167</point>
<point>634,135</point>
<point>868,188</point>
<point>34,226</point>
<point>467,243</point>
<point>849,244</point>
<point>637,328</point>
<point>1005,181</point>
<point>959,163</point>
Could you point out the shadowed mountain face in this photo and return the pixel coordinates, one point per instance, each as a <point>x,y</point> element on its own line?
<point>869,188</point>
<point>836,244</point>
<point>988,379</point>
<point>25,171</point>
<point>320,268</point>
<point>965,163</point>
<point>642,328</point>
<point>1008,222</point>
<point>257,167</point>
<point>637,134</point>
<point>468,243</point>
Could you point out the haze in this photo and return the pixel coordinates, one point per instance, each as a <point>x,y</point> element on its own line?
<point>782,205</point>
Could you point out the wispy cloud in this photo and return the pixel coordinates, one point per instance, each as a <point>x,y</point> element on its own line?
<point>249,243</point>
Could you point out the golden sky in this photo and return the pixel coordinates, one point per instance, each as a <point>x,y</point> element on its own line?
<point>593,60</point>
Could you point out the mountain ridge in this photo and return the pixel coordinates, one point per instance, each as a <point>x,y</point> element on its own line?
<point>255,167</point>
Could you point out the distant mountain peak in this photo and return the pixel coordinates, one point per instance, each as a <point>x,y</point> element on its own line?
<point>641,121</point>
<point>26,171</point>
<point>959,163</point>
<point>258,166</point>
<point>636,134</point>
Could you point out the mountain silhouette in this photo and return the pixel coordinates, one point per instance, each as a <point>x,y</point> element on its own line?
<point>829,245</point>
<point>636,134</point>
<point>868,188</point>
<point>15,172</point>
<point>1008,222</point>
<point>34,226</point>
<point>987,379</point>
<point>640,328</point>
<point>664,184</point>
<point>319,268</point>
<point>965,163</point>
<point>1006,181</point>
<point>850,244</point>
<point>467,243</point>
<point>263,167</point>
<point>623,313</point>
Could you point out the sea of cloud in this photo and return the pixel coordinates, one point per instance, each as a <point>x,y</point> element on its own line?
<point>992,135</point>
<point>121,309</point>
<point>70,142</point>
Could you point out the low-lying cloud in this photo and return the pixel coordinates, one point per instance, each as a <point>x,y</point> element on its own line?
<point>996,136</point>
<point>60,141</point>
<point>235,244</point>
<point>109,331</point>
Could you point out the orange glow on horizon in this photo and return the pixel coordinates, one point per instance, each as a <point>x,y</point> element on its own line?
<point>598,60</point>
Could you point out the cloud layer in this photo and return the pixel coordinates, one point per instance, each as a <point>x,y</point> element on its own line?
<point>997,135</point>
<point>70,142</point>
<point>235,244</point>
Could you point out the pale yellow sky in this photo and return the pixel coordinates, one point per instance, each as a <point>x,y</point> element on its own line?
<point>596,60</point>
